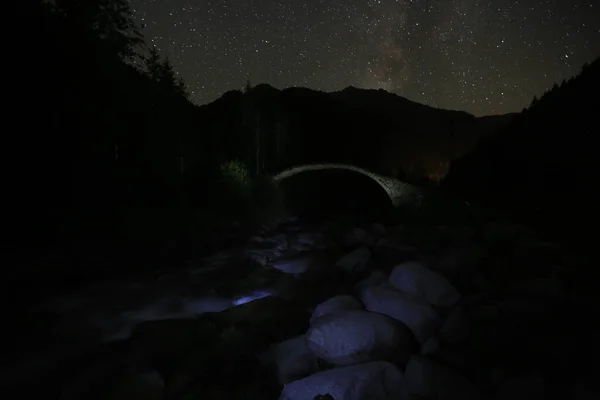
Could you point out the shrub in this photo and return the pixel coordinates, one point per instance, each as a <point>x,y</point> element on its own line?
<point>253,199</point>
<point>236,175</point>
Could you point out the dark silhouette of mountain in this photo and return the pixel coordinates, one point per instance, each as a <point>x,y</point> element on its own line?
<point>543,166</point>
<point>374,129</point>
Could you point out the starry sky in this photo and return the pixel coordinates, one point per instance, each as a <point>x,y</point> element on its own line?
<point>480,56</point>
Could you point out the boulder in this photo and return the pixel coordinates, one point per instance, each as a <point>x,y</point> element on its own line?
<point>376,278</point>
<point>390,242</point>
<point>522,388</point>
<point>391,251</point>
<point>431,380</point>
<point>208,304</point>
<point>413,278</point>
<point>358,237</point>
<point>293,360</point>
<point>420,317</point>
<point>378,380</point>
<point>431,346</point>
<point>293,265</point>
<point>458,260</point>
<point>355,261</point>
<point>334,305</point>
<point>456,326</point>
<point>378,230</point>
<point>140,386</point>
<point>550,286</point>
<point>581,391</point>
<point>353,337</point>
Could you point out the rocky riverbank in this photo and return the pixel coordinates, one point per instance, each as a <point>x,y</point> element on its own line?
<point>356,312</point>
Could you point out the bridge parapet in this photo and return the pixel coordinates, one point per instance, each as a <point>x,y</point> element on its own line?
<point>399,192</point>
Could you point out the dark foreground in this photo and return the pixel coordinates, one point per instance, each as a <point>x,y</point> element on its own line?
<point>305,309</point>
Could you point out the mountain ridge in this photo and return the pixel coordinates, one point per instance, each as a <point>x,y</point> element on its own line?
<point>417,141</point>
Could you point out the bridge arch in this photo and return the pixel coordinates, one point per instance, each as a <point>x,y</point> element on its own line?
<point>399,192</point>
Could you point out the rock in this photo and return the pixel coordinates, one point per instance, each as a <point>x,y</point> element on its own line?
<point>94,375</point>
<point>376,278</point>
<point>452,357</point>
<point>493,232</point>
<point>261,242</point>
<point>256,239</point>
<point>522,388</point>
<point>431,380</point>
<point>457,260</point>
<point>270,318</point>
<point>311,240</point>
<point>209,304</point>
<point>285,287</point>
<point>353,337</point>
<point>435,348</point>
<point>293,265</point>
<point>293,360</point>
<point>261,259</point>
<point>485,311</point>
<point>140,386</point>
<point>431,346</point>
<point>456,326</point>
<point>420,317</point>
<point>252,296</point>
<point>358,237</point>
<point>378,380</point>
<point>497,376</point>
<point>355,261</point>
<point>167,342</point>
<point>378,230</point>
<point>413,278</point>
<point>324,397</point>
<point>391,251</point>
<point>297,247</point>
<point>240,329</point>
<point>550,286</point>
<point>523,306</point>
<point>397,244</point>
<point>334,305</point>
<point>581,391</point>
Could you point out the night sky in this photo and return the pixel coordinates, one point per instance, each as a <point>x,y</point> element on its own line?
<point>481,56</point>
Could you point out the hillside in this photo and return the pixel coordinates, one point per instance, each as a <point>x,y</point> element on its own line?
<point>543,165</point>
<point>370,128</point>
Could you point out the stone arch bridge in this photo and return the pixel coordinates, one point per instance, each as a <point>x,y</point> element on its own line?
<point>399,192</point>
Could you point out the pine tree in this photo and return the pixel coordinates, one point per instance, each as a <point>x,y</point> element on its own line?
<point>153,64</point>
<point>112,21</point>
<point>247,86</point>
<point>534,101</point>
<point>161,71</point>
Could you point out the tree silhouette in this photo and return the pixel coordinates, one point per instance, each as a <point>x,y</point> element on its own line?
<point>153,64</point>
<point>161,71</point>
<point>247,86</point>
<point>112,21</point>
<point>534,101</point>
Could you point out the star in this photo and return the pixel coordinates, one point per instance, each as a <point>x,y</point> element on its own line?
<point>483,57</point>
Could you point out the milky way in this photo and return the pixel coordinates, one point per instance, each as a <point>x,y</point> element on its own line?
<point>481,56</point>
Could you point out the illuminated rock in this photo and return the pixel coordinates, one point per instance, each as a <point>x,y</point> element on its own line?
<point>293,360</point>
<point>355,261</point>
<point>377,380</point>
<point>420,317</point>
<point>334,305</point>
<point>413,278</point>
<point>353,337</point>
